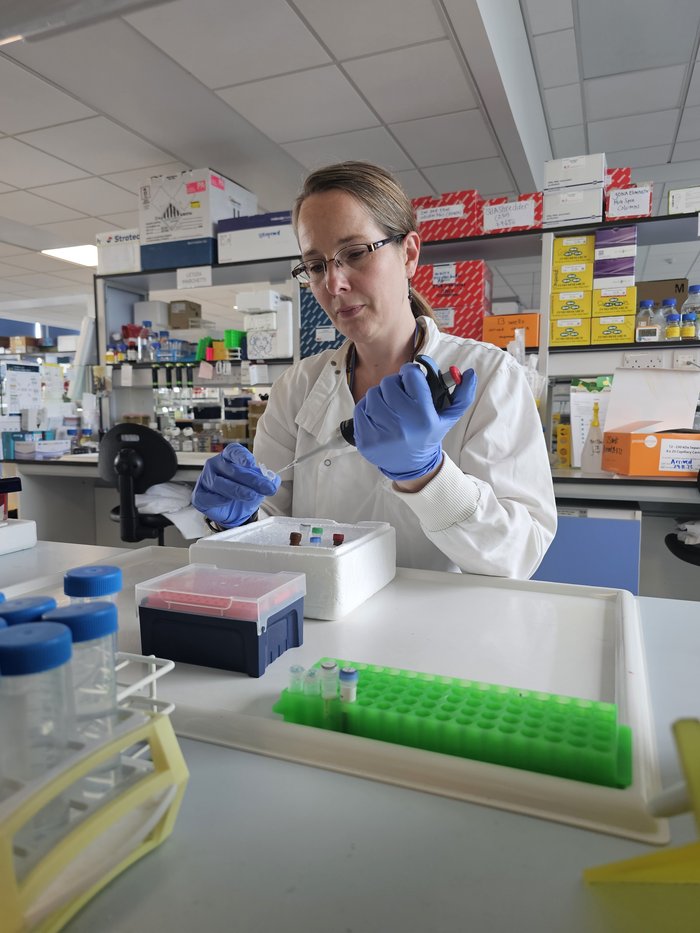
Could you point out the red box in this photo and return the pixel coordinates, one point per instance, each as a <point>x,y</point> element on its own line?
<point>449,217</point>
<point>506,220</point>
<point>618,178</point>
<point>459,293</point>
<point>619,211</point>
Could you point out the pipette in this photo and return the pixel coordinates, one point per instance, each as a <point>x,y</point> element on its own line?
<point>441,386</point>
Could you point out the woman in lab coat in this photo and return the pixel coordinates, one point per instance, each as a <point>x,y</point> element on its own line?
<point>466,489</point>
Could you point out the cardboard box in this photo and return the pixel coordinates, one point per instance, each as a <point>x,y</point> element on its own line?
<point>570,332</point>
<point>275,342</point>
<point>157,312</point>
<point>684,200</point>
<point>263,299</point>
<point>459,294</point>
<point>618,178</point>
<point>666,453</point>
<point>571,207</point>
<point>615,242</point>
<point>184,314</point>
<point>614,273</point>
<point>260,236</point>
<point>630,202</point>
<point>178,215</point>
<point>584,171</point>
<point>501,330</point>
<point>607,301</point>
<point>504,216</point>
<point>570,304</point>
<point>451,216</point>
<point>118,251</point>
<point>573,249</point>
<point>316,331</point>
<point>613,329</point>
<point>572,277</point>
<point>659,289</point>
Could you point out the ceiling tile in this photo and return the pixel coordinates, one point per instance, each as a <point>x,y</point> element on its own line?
<point>27,102</point>
<point>440,140</point>
<point>556,58</point>
<point>372,145</point>
<point>549,15</point>
<point>133,179</point>
<point>634,92</point>
<point>30,209</point>
<point>7,269</point>
<point>37,262</point>
<point>212,39</point>
<point>414,183</point>
<point>77,231</point>
<point>123,220</point>
<point>319,102</point>
<point>641,130</point>
<point>92,196</point>
<point>564,105</point>
<point>36,279</point>
<point>569,141</point>
<point>616,37</point>
<point>638,158</point>
<point>22,165</point>
<point>486,175</point>
<point>4,188</point>
<point>693,98</point>
<point>97,145</point>
<point>690,125</point>
<point>408,84</point>
<point>9,249</point>
<point>686,152</point>
<point>371,25</point>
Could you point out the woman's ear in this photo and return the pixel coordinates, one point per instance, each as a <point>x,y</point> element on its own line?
<point>411,244</point>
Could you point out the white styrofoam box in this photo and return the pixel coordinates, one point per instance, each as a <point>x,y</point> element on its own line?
<point>189,205</point>
<point>260,320</point>
<point>67,343</point>
<point>572,206</point>
<point>154,311</point>
<point>583,171</point>
<point>260,236</point>
<point>17,535</point>
<point>41,450</point>
<point>264,299</point>
<point>275,342</point>
<point>338,579</point>
<point>118,251</point>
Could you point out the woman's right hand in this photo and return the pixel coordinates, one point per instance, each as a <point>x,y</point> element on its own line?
<point>232,486</point>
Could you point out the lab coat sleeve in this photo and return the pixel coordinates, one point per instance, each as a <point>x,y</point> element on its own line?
<point>491,507</point>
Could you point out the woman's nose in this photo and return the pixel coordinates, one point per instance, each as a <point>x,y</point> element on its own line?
<point>336,279</point>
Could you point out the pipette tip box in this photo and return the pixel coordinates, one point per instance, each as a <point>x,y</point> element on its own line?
<point>236,620</point>
<point>338,578</point>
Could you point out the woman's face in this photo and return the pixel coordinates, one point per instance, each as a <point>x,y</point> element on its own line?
<point>363,303</point>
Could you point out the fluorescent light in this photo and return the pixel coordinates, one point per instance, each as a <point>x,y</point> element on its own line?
<point>9,39</point>
<point>81,255</point>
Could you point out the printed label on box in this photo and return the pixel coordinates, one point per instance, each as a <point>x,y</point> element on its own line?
<point>194,187</point>
<point>445,273</point>
<point>439,213</point>
<point>510,214</point>
<point>445,317</point>
<point>325,333</point>
<point>679,456</point>
<point>571,197</point>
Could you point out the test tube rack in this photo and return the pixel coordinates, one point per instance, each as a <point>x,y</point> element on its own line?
<point>547,733</point>
<point>43,890</point>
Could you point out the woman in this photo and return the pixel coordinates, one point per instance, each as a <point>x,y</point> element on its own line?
<point>468,489</point>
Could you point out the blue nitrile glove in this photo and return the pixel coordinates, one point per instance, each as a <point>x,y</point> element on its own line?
<point>232,486</point>
<point>397,427</point>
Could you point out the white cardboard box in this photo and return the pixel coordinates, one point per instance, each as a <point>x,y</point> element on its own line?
<point>338,579</point>
<point>264,299</point>
<point>684,200</point>
<point>583,171</point>
<point>118,251</point>
<point>572,206</point>
<point>261,236</point>
<point>276,341</point>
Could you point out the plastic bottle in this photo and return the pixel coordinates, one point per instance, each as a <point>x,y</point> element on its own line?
<point>668,306</point>
<point>673,326</point>
<point>26,609</point>
<point>592,453</point>
<point>691,305</point>
<point>74,440</point>
<point>88,444</point>
<point>36,718</point>
<point>689,325</point>
<point>144,342</point>
<point>92,583</point>
<point>644,331</point>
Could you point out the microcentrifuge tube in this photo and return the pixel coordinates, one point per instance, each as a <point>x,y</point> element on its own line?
<point>295,538</point>
<point>338,539</point>
<point>348,684</point>
<point>315,539</point>
<point>317,531</point>
<point>296,678</point>
<point>329,680</point>
<point>312,682</point>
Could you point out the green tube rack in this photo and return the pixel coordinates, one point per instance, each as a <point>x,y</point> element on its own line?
<point>543,732</point>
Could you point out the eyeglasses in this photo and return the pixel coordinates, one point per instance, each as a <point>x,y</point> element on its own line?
<point>350,257</point>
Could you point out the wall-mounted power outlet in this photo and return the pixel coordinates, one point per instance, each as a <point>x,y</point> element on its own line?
<point>642,361</point>
<point>686,359</point>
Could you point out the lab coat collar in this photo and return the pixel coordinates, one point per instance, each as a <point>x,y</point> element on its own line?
<point>319,414</point>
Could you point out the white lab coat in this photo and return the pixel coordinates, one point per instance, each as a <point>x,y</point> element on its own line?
<point>490,509</point>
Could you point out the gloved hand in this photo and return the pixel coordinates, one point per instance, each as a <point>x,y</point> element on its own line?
<point>397,427</point>
<point>232,486</point>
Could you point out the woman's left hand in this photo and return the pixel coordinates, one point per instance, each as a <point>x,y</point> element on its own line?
<point>397,427</point>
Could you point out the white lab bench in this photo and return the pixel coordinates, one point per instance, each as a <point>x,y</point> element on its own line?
<point>269,844</point>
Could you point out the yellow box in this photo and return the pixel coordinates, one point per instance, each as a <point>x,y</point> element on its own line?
<point>614,329</point>
<point>572,276</point>
<point>563,445</point>
<point>571,332</point>
<point>501,330</point>
<point>667,453</point>
<point>573,249</point>
<point>607,301</point>
<point>571,304</point>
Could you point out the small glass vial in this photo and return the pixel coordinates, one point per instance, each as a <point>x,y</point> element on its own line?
<point>296,678</point>
<point>688,326</point>
<point>36,719</point>
<point>348,677</point>
<point>101,582</point>
<point>26,609</point>
<point>329,680</point>
<point>673,327</point>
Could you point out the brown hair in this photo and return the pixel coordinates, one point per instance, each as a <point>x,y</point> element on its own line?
<point>381,196</point>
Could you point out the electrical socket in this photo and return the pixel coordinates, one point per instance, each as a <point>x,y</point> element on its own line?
<point>686,359</point>
<point>642,361</point>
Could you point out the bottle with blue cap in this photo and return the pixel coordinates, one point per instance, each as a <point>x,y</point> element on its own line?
<point>101,582</point>
<point>26,609</point>
<point>36,717</point>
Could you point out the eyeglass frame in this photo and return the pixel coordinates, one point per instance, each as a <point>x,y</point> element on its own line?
<point>300,269</point>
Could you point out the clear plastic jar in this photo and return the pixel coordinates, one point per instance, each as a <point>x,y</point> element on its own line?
<point>98,582</point>
<point>26,609</point>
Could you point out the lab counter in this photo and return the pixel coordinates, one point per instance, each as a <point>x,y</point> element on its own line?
<point>263,843</point>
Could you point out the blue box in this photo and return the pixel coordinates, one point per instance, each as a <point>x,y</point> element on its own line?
<point>200,251</point>
<point>317,332</point>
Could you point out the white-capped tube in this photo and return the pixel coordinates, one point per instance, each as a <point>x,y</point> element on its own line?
<point>296,678</point>
<point>312,682</point>
<point>329,680</point>
<point>348,677</point>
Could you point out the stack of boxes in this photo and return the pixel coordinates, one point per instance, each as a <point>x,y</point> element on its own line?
<point>614,290</point>
<point>459,294</point>
<point>572,290</point>
<point>451,216</point>
<point>573,190</point>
